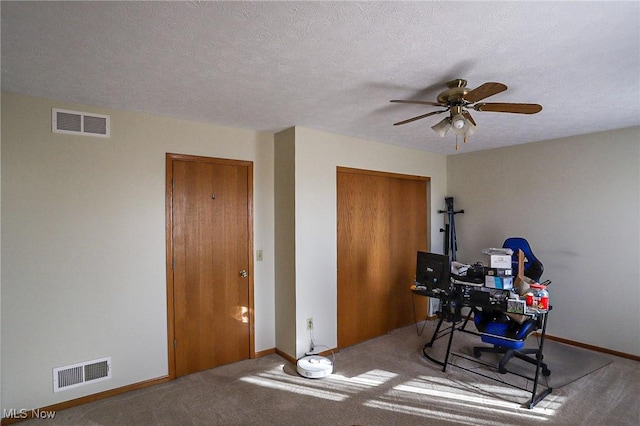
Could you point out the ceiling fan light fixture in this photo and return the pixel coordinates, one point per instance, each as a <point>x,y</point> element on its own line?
<point>471,129</point>
<point>459,124</point>
<point>458,121</point>
<point>458,99</point>
<point>442,127</point>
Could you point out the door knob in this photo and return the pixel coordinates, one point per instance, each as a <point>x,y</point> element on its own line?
<point>244,273</point>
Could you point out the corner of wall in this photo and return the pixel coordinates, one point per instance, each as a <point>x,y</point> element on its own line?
<point>0,256</point>
<point>284,244</point>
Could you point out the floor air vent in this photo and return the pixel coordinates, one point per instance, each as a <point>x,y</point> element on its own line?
<point>80,123</point>
<point>72,376</point>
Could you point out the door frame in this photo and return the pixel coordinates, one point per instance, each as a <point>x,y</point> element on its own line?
<point>169,158</point>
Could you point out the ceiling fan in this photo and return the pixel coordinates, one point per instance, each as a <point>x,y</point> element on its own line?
<point>457,98</point>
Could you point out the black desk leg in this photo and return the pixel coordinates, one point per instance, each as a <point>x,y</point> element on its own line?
<point>430,343</point>
<point>446,357</point>
<point>435,333</point>
<point>433,339</point>
<point>435,336</point>
<point>537,398</point>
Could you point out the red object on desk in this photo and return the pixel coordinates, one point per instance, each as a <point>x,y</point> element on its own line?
<point>529,299</point>
<point>543,301</point>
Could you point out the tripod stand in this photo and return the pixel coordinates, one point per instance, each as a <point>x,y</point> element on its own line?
<point>450,242</point>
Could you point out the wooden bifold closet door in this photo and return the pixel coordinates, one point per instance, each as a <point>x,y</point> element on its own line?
<point>382,223</point>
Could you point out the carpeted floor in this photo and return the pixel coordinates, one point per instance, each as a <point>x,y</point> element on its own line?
<point>384,381</point>
<point>567,363</point>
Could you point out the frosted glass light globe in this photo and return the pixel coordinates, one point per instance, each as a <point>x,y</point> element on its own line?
<point>458,122</point>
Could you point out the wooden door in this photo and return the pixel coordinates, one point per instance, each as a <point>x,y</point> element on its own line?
<point>363,261</point>
<point>211,247</point>
<point>408,198</point>
<point>382,223</point>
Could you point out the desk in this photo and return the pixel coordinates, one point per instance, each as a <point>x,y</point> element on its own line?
<point>451,312</point>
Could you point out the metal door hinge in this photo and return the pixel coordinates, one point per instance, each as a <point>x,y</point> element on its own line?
<point>175,343</point>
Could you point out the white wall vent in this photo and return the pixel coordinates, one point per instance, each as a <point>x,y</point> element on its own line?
<point>80,123</point>
<point>72,376</point>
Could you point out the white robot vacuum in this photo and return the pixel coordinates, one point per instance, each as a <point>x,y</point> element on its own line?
<point>315,367</point>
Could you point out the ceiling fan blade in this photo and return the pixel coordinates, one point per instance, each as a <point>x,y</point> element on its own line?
<point>419,117</point>
<point>509,107</point>
<point>467,115</point>
<point>484,91</point>
<point>417,102</point>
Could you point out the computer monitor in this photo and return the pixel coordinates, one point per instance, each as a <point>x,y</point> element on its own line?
<point>433,271</point>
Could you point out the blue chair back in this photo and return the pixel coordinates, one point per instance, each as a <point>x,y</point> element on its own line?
<point>532,266</point>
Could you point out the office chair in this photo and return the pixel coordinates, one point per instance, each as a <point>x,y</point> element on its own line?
<point>506,335</point>
<point>532,266</point>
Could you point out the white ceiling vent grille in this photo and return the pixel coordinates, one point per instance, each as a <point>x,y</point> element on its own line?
<point>80,123</point>
<point>72,376</point>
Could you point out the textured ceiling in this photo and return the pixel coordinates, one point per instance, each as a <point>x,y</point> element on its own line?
<point>334,66</point>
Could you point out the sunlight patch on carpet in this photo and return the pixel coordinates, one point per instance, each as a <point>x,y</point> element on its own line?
<point>429,413</point>
<point>335,387</point>
<point>370,379</point>
<point>452,396</point>
<point>479,398</point>
<point>497,391</point>
<point>300,390</point>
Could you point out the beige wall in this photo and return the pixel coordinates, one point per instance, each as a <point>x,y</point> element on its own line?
<point>83,243</point>
<point>317,155</point>
<point>577,202</point>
